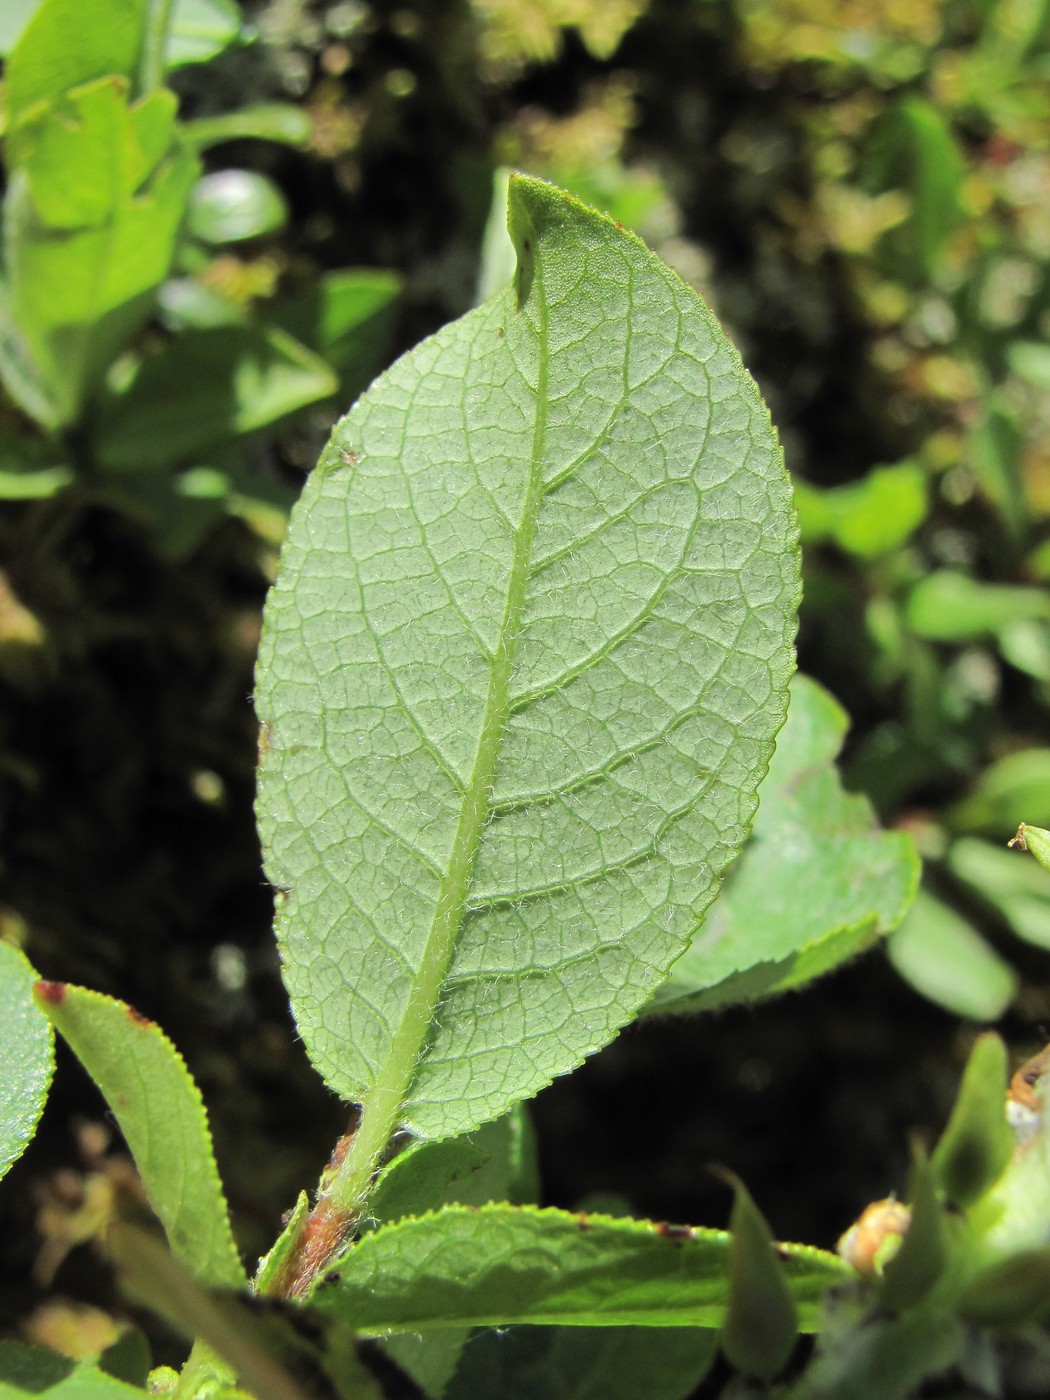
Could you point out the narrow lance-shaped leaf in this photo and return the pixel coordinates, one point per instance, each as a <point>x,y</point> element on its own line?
<point>505,1264</point>
<point>145,1081</point>
<point>519,680</point>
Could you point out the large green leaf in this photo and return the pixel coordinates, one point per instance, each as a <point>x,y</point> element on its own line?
<point>504,1264</point>
<point>26,1056</point>
<point>145,1081</point>
<point>817,882</point>
<point>519,680</point>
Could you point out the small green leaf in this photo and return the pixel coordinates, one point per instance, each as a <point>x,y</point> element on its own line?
<point>947,960</point>
<point>1035,839</point>
<point>866,518</point>
<point>1018,889</point>
<point>521,670</point>
<point>26,1056</point>
<point>203,389</point>
<point>35,1371</point>
<point>816,883</point>
<point>1013,789</point>
<point>761,1322</point>
<point>949,607</point>
<point>919,1262</point>
<point>232,206</point>
<point>504,1264</point>
<point>146,1083</point>
<point>200,29</point>
<point>976,1145</point>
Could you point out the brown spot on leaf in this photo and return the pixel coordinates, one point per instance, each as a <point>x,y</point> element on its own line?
<point>673,1232</point>
<point>54,993</point>
<point>138,1017</point>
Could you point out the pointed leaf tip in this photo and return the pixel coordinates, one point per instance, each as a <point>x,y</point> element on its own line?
<point>761,1323</point>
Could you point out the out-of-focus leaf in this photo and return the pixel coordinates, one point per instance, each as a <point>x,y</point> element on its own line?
<point>82,285</point>
<point>1011,790</point>
<point>58,51</point>
<point>232,206</point>
<point>866,518</point>
<point>1016,887</point>
<point>26,1056</point>
<point>14,16</point>
<point>994,452</point>
<point>187,304</point>
<point>501,1264</point>
<point>760,1328</point>
<point>947,960</point>
<point>915,149</point>
<point>1030,361</point>
<point>200,29</point>
<point>977,1143</point>
<point>146,1083</point>
<point>584,1363</point>
<point>266,121</point>
<point>348,318</point>
<point>951,607</point>
<point>34,485</point>
<point>35,1371</point>
<point>816,883</point>
<point>204,388</point>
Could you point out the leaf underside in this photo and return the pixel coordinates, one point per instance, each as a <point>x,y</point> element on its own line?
<point>519,680</point>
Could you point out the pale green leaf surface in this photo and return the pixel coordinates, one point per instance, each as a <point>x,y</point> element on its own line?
<point>506,1264</point>
<point>26,1056</point>
<point>520,676</point>
<point>584,1363</point>
<point>33,1371</point>
<point>145,1081</point>
<point>817,882</point>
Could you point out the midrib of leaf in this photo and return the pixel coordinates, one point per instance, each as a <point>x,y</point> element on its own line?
<point>380,1113</point>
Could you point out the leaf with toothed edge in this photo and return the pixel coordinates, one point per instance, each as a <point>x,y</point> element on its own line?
<point>145,1082</point>
<point>521,672</point>
<point>27,1056</point>
<point>499,1264</point>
